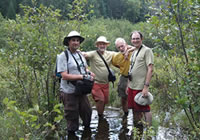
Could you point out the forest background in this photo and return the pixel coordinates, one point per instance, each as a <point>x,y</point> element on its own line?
<point>31,34</point>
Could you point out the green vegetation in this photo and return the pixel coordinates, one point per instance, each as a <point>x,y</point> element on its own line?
<point>29,103</point>
<point>132,10</point>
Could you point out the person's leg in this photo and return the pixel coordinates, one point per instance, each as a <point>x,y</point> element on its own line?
<point>102,98</point>
<point>148,123</point>
<point>71,111</point>
<point>124,106</point>
<point>98,96</point>
<point>137,120</point>
<point>122,93</point>
<point>100,107</point>
<point>85,110</point>
<point>105,91</point>
<point>148,118</point>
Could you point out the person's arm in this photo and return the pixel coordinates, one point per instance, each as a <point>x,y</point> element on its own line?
<point>72,77</point>
<point>114,60</point>
<point>129,49</point>
<point>85,55</point>
<point>148,79</point>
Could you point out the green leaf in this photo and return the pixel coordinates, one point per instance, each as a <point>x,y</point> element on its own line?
<point>34,118</point>
<point>197,109</point>
<point>5,101</point>
<point>58,118</point>
<point>36,107</point>
<point>57,110</point>
<point>48,124</point>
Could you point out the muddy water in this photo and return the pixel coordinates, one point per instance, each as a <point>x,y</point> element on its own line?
<point>112,127</point>
<point>115,127</point>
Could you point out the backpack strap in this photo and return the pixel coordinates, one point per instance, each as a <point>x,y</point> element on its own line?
<point>104,62</point>
<point>67,58</point>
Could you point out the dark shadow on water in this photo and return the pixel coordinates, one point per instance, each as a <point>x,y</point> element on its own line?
<point>86,135</point>
<point>123,133</point>
<point>102,130</point>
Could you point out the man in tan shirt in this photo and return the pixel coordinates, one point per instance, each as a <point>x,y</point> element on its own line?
<point>140,73</point>
<point>100,91</point>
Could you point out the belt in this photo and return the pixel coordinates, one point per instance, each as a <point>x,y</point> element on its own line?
<point>125,76</point>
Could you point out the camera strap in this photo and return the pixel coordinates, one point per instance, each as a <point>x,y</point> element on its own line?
<point>104,61</point>
<point>78,66</point>
<point>133,62</point>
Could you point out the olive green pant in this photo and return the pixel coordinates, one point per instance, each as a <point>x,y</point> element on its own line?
<point>75,106</point>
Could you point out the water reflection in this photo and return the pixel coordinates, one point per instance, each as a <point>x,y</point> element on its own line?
<point>86,135</point>
<point>123,133</point>
<point>72,137</point>
<point>102,130</point>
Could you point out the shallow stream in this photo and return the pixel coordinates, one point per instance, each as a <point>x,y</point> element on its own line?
<point>114,127</point>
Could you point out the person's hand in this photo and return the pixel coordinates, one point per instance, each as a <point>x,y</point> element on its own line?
<point>145,92</point>
<point>129,49</point>
<point>91,73</point>
<point>88,77</point>
<point>126,54</point>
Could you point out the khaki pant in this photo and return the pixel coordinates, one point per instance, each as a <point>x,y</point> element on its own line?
<point>122,86</point>
<point>75,106</point>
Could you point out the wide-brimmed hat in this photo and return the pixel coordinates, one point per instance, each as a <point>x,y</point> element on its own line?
<point>72,34</point>
<point>139,99</point>
<point>102,39</point>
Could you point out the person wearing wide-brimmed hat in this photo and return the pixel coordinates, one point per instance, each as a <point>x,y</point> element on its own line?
<point>100,91</point>
<point>140,73</point>
<point>74,105</point>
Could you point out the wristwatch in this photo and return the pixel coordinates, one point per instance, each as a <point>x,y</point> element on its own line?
<point>146,84</point>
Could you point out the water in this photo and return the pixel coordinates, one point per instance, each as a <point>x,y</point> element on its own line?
<point>115,127</point>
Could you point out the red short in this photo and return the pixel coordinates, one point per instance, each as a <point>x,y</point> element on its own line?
<point>133,105</point>
<point>100,92</point>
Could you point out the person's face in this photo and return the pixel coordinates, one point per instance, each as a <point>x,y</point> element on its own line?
<point>121,46</point>
<point>101,46</point>
<point>136,40</point>
<point>74,43</point>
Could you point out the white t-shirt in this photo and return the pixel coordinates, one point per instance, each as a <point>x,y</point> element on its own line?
<point>70,67</point>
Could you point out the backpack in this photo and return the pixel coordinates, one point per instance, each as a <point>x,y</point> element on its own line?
<point>57,74</point>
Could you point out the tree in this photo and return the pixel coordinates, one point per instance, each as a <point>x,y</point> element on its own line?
<point>177,29</point>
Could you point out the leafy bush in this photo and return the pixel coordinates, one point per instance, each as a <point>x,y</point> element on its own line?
<point>30,124</point>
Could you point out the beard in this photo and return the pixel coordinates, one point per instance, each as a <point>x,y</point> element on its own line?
<point>101,49</point>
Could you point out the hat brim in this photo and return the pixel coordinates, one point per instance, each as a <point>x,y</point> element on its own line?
<point>107,42</point>
<point>143,100</point>
<point>66,40</point>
